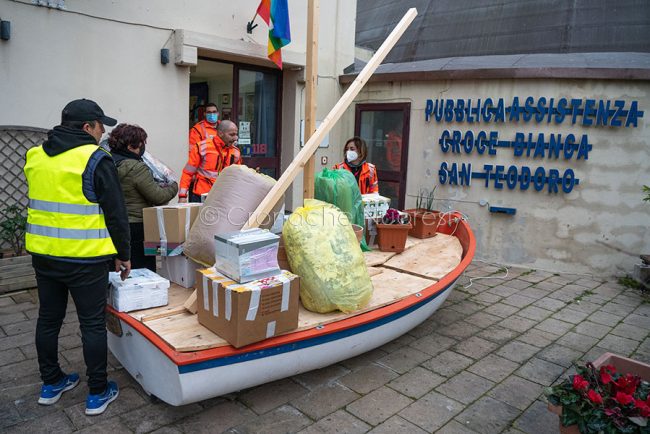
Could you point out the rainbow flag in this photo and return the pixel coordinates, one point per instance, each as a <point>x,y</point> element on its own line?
<point>275,14</point>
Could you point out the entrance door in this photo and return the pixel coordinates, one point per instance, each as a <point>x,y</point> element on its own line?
<point>385,128</point>
<point>258,117</point>
<point>250,97</point>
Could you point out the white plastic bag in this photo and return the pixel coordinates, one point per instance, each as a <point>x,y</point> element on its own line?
<point>161,173</point>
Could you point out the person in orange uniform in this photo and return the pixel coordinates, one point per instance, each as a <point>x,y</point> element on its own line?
<point>207,159</point>
<point>355,152</point>
<point>202,133</point>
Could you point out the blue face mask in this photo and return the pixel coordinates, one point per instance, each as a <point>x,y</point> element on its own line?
<point>212,117</point>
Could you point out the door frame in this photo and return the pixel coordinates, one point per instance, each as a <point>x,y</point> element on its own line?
<point>237,66</point>
<point>405,107</point>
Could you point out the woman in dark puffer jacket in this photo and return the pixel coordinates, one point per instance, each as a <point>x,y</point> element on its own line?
<point>127,144</point>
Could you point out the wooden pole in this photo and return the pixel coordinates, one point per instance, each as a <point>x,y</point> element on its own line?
<point>334,115</point>
<point>311,72</point>
<point>311,145</point>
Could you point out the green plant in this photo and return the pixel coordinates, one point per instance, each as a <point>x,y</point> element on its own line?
<point>424,199</point>
<point>600,400</point>
<point>12,228</point>
<point>646,190</point>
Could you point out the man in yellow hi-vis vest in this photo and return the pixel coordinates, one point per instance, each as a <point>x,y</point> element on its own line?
<point>77,227</point>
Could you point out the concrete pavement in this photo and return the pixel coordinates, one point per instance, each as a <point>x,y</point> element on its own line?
<point>478,365</point>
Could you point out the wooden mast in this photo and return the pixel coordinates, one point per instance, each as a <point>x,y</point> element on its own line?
<point>311,77</point>
<point>300,160</point>
<point>334,115</point>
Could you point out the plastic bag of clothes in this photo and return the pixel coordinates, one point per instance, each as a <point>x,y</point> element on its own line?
<point>339,187</point>
<point>323,250</point>
<point>161,173</point>
<point>234,196</point>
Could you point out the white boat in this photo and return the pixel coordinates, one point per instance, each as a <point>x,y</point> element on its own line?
<point>182,377</point>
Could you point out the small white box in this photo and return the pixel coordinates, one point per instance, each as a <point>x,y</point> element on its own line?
<point>179,269</point>
<point>141,290</point>
<point>247,255</point>
<point>374,205</point>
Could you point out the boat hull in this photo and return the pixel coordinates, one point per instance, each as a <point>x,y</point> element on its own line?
<point>192,382</point>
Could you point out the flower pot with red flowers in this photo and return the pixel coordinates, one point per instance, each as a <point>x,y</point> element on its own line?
<point>424,218</point>
<point>610,395</point>
<point>392,231</point>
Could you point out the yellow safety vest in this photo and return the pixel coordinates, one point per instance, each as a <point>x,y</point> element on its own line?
<point>61,221</point>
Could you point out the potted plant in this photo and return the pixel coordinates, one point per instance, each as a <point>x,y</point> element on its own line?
<point>610,395</point>
<point>392,231</point>
<point>425,219</point>
<point>16,270</point>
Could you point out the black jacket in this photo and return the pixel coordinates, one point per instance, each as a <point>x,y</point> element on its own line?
<point>106,189</point>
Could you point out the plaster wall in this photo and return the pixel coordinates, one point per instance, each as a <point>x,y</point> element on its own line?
<point>582,231</point>
<point>110,52</point>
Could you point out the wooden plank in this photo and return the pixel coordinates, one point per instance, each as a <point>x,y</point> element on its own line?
<point>376,257</point>
<point>446,250</point>
<point>191,303</point>
<point>280,187</point>
<point>311,72</point>
<point>17,271</point>
<point>373,271</point>
<point>21,284</point>
<point>14,260</point>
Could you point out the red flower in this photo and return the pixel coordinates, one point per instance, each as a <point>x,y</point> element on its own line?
<point>623,398</point>
<point>643,407</point>
<point>579,383</point>
<point>595,397</point>
<point>605,373</point>
<point>627,384</point>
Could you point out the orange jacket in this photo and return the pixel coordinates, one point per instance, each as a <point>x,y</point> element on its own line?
<point>201,131</point>
<point>368,182</point>
<point>207,159</point>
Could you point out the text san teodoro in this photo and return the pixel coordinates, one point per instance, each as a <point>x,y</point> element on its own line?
<point>585,112</point>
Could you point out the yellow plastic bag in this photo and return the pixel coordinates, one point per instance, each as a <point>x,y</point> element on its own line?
<point>323,250</point>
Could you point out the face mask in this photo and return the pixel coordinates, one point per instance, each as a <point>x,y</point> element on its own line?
<point>351,155</point>
<point>212,117</point>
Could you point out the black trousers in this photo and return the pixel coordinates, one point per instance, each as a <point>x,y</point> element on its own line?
<point>87,283</point>
<point>138,258</point>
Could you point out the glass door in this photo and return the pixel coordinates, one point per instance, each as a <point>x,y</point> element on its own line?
<point>385,128</point>
<point>257,107</point>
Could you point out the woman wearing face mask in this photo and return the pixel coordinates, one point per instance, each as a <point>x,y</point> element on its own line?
<point>355,152</point>
<point>127,144</point>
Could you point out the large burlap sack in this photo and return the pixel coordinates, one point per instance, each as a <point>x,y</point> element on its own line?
<point>234,196</point>
<point>323,250</point>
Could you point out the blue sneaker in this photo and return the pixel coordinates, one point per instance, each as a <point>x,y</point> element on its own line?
<point>97,404</point>
<point>50,393</point>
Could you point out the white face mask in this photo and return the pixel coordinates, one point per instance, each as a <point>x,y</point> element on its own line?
<point>351,155</point>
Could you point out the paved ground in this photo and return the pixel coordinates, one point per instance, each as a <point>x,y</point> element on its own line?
<point>478,365</point>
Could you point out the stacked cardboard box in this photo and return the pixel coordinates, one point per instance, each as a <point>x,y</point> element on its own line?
<point>141,290</point>
<point>246,313</point>
<point>166,228</point>
<point>247,255</point>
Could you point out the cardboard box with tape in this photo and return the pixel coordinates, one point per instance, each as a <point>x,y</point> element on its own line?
<point>167,227</point>
<point>246,313</point>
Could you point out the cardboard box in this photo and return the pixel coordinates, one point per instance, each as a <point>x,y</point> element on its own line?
<point>141,290</point>
<point>177,221</point>
<point>246,313</point>
<point>247,255</point>
<point>179,269</point>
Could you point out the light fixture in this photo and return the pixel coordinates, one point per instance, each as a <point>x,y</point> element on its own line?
<point>5,30</point>
<point>164,56</point>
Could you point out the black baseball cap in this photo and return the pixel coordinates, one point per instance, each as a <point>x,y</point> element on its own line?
<point>85,110</point>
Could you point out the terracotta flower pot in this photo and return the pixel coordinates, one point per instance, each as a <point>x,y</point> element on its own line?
<point>425,223</point>
<point>358,231</point>
<point>392,238</point>
<point>557,409</point>
<point>624,365</point>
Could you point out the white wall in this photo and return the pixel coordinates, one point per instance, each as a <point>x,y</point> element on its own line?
<point>110,52</point>
<point>553,231</point>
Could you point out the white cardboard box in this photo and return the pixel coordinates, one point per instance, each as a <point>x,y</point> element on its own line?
<point>141,290</point>
<point>374,205</point>
<point>247,255</point>
<point>179,269</point>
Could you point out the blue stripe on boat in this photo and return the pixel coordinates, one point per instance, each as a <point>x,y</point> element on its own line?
<point>267,352</point>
